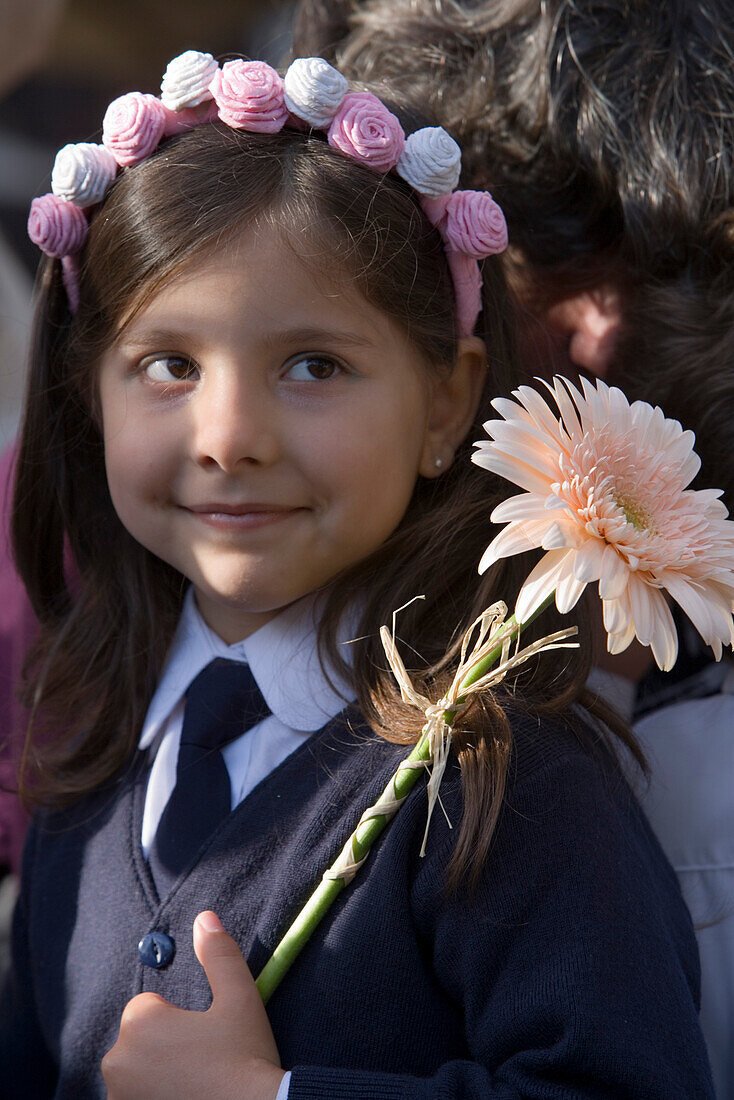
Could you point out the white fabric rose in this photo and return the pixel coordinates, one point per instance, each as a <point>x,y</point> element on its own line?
<point>431,162</point>
<point>186,80</point>
<point>314,91</point>
<point>82,173</point>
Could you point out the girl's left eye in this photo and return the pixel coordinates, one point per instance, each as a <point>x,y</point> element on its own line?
<point>313,368</point>
<point>171,368</point>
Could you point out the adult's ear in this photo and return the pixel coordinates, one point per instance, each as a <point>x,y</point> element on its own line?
<point>591,321</point>
<point>454,405</point>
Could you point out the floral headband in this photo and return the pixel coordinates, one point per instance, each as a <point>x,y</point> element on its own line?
<point>250,95</point>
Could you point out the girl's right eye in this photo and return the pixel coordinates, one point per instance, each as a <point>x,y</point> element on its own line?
<point>171,368</point>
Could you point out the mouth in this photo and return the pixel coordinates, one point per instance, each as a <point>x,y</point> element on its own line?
<point>248,515</point>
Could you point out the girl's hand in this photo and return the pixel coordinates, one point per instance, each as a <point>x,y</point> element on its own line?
<point>167,1053</point>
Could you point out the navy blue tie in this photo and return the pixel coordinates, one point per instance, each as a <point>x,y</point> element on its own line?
<point>221,703</point>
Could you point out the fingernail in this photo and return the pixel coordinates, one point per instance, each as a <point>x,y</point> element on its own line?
<point>210,922</point>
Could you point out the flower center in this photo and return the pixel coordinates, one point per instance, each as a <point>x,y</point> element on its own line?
<point>637,516</point>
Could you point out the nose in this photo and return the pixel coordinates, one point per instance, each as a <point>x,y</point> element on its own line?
<point>234,420</point>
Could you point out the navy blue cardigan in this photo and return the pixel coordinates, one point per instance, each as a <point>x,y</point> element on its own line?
<point>571,972</point>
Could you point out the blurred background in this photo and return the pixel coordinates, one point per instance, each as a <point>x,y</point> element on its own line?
<point>61,63</point>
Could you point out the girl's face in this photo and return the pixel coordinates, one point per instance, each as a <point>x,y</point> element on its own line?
<point>263,431</point>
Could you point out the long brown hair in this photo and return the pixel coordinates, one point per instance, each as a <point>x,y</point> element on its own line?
<point>103,641</point>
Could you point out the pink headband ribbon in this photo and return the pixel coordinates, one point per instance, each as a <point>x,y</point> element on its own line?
<point>250,95</point>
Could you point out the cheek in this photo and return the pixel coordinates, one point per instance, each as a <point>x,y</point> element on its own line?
<point>135,444</point>
<point>370,464</point>
<point>137,471</point>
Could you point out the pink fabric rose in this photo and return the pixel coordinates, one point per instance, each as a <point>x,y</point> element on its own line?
<point>250,96</point>
<point>474,224</point>
<point>58,227</point>
<point>365,130</point>
<point>133,126</point>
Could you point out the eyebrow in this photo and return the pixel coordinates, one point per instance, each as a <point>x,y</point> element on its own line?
<point>304,335</point>
<point>318,336</point>
<point>141,338</point>
<point>170,338</point>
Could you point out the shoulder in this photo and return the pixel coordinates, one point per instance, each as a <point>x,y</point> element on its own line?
<point>570,829</point>
<point>563,776</point>
<point>573,861</point>
<point>558,760</point>
<point>568,767</point>
<point>576,928</point>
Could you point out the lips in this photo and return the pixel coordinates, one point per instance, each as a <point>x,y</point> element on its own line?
<point>242,516</point>
<point>228,509</point>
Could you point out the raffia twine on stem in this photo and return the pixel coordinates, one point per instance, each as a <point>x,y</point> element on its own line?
<point>492,637</point>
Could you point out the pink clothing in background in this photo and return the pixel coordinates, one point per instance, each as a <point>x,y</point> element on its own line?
<point>17,626</point>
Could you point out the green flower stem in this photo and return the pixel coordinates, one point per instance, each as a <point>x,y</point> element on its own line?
<point>362,840</point>
<point>328,890</point>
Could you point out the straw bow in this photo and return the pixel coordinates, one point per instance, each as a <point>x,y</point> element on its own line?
<point>491,632</point>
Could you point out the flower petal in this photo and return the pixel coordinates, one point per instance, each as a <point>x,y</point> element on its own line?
<point>539,410</point>
<point>699,610</point>
<point>617,643</point>
<point>568,592</point>
<point>510,468</point>
<point>664,642</point>
<point>589,559</point>
<point>617,615</point>
<point>619,406</point>
<point>613,576</point>
<point>523,506</point>
<point>516,538</point>
<point>541,582</point>
<point>510,410</point>
<point>518,446</point>
<point>565,406</point>
<point>642,613</point>
<point>558,536</point>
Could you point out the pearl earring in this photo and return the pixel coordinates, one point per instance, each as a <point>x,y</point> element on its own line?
<point>438,463</point>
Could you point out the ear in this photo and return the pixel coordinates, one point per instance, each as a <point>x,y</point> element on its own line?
<point>591,321</point>
<point>454,405</point>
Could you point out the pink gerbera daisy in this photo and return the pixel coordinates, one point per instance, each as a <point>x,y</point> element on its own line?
<point>607,499</point>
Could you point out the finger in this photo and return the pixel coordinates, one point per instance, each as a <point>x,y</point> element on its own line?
<point>145,1005</point>
<point>229,976</point>
<point>141,1021</point>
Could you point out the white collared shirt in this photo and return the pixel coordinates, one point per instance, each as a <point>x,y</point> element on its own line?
<point>283,657</point>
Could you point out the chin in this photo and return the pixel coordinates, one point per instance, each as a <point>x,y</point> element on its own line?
<point>246,598</point>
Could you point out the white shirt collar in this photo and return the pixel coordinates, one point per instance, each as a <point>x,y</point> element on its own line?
<point>283,656</point>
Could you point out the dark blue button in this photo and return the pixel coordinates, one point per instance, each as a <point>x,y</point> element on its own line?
<point>156,949</point>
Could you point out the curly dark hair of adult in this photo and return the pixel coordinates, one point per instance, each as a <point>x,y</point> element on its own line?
<point>103,644</point>
<point>605,128</point>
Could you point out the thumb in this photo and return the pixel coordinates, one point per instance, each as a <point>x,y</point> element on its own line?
<point>229,976</point>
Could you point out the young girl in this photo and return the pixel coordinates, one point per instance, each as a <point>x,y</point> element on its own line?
<point>255,388</point>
